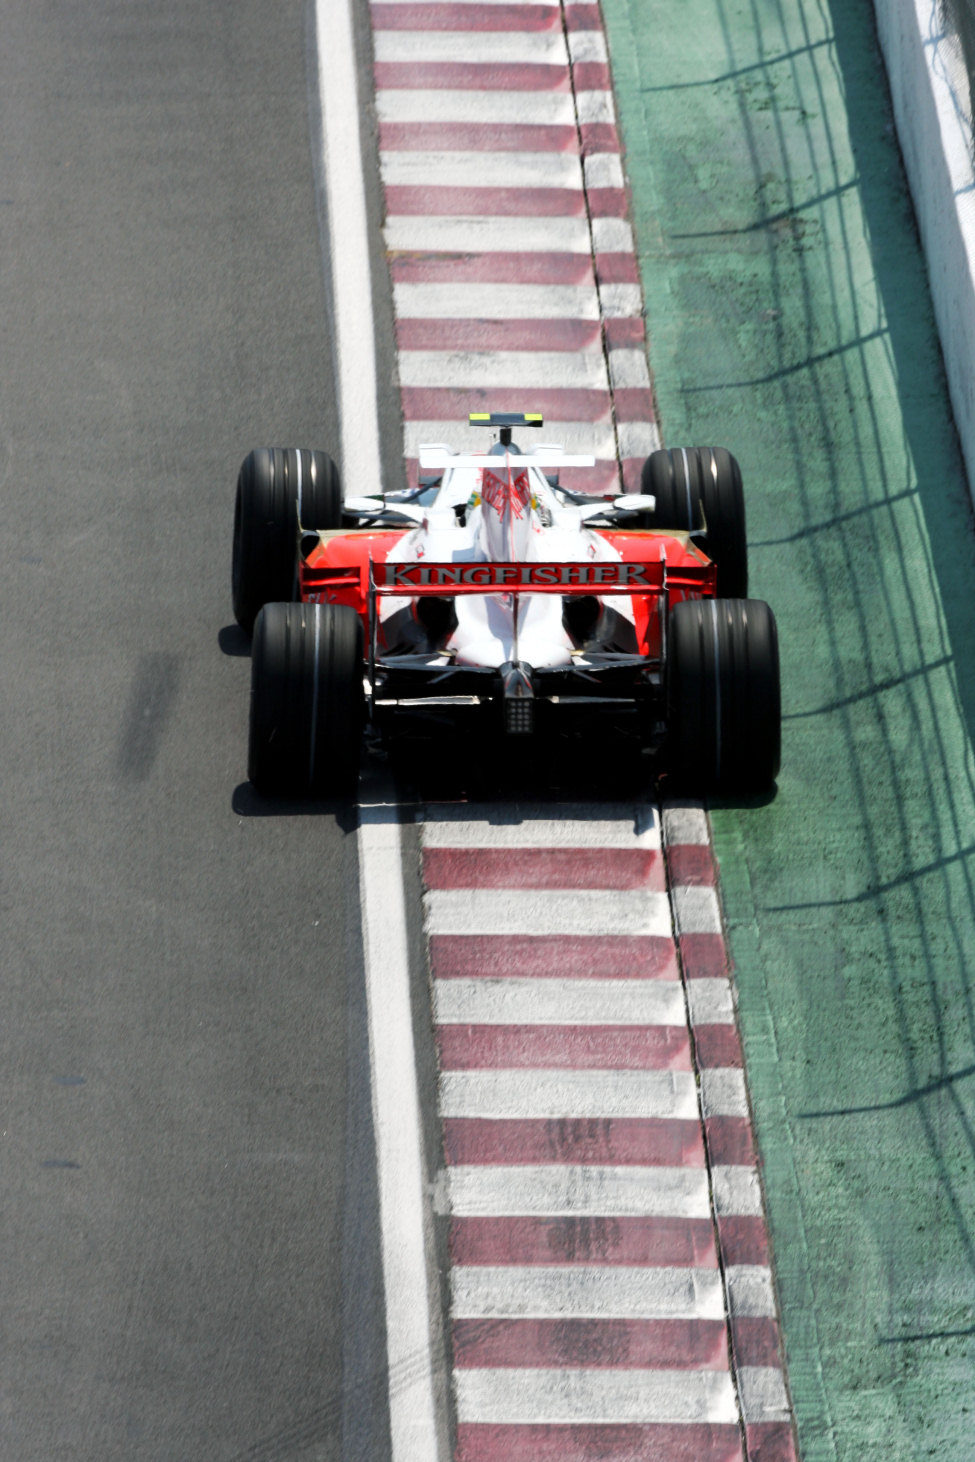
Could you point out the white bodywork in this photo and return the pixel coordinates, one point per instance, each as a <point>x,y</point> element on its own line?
<point>512,516</point>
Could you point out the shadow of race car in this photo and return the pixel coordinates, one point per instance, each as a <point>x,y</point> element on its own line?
<point>492,585</point>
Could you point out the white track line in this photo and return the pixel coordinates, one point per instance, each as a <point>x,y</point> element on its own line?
<point>396,1116</point>
<point>343,188</point>
<point>411,1320</point>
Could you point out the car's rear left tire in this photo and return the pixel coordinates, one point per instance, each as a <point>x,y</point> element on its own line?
<point>723,694</point>
<point>695,484</point>
<point>307,701</point>
<point>279,489</point>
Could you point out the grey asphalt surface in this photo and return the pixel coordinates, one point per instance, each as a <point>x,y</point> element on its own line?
<point>188,1250</point>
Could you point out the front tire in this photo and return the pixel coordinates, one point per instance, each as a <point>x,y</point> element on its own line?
<point>307,700</point>
<point>724,705</point>
<point>695,483</point>
<point>279,491</point>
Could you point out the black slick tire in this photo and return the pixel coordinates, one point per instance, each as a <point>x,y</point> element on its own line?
<point>695,485</point>
<point>307,700</point>
<point>279,490</point>
<point>723,695</point>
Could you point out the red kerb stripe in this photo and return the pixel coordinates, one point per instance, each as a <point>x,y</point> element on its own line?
<point>744,1239</point>
<point>692,864</point>
<point>756,1340</point>
<point>770,1441</point>
<point>703,956</point>
<point>574,335</point>
<point>615,957</point>
<point>485,202</point>
<point>717,1046</point>
<point>608,868</point>
<point>465,17</point>
<point>472,76</point>
<point>497,136</point>
<point>445,403</point>
<point>663,1442</point>
<point>491,268</point>
<point>565,1047</point>
<point>730,1141</point>
<point>582,17</point>
<point>617,268</point>
<point>592,1344</point>
<point>655,1242</point>
<point>605,1141</point>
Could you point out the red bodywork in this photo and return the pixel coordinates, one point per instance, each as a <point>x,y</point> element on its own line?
<point>666,568</point>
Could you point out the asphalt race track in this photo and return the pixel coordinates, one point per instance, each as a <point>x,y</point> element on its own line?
<point>186,1246</point>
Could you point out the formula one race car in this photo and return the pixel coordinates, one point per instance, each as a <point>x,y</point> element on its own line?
<point>493,585</point>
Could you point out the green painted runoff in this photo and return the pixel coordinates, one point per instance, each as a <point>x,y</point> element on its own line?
<point>790,320</point>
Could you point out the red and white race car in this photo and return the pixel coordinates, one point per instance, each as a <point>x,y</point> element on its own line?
<point>491,583</point>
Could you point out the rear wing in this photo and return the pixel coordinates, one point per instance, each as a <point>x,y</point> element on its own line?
<point>418,579</point>
<point>361,582</point>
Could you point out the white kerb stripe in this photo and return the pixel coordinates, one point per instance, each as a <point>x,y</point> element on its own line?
<point>488,1000</point>
<point>685,822</point>
<point>463,369</point>
<point>711,1002</point>
<point>615,1397</point>
<point>723,1092</point>
<point>497,302</point>
<point>557,1190</point>
<point>550,911</point>
<point>603,170</point>
<point>482,170</point>
<point>750,1289</point>
<point>736,1192</point>
<point>612,236</point>
<point>638,438</point>
<point>426,104</point>
<point>511,1094</point>
<point>628,368</point>
<point>696,909</point>
<point>762,1393</point>
<point>587,45</point>
<point>620,301</point>
<point>595,106</point>
<point>542,1291</point>
<point>530,48</point>
<point>486,234</point>
<point>528,825</point>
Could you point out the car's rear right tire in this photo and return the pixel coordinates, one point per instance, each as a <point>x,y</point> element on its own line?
<point>307,700</point>
<point>724,705</point>
<point>279,489</point>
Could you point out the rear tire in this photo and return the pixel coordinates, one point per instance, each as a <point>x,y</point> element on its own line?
<point>690,481</point>
<point>724,707</point>
<point>307,700</point>
<point>279,489</point>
